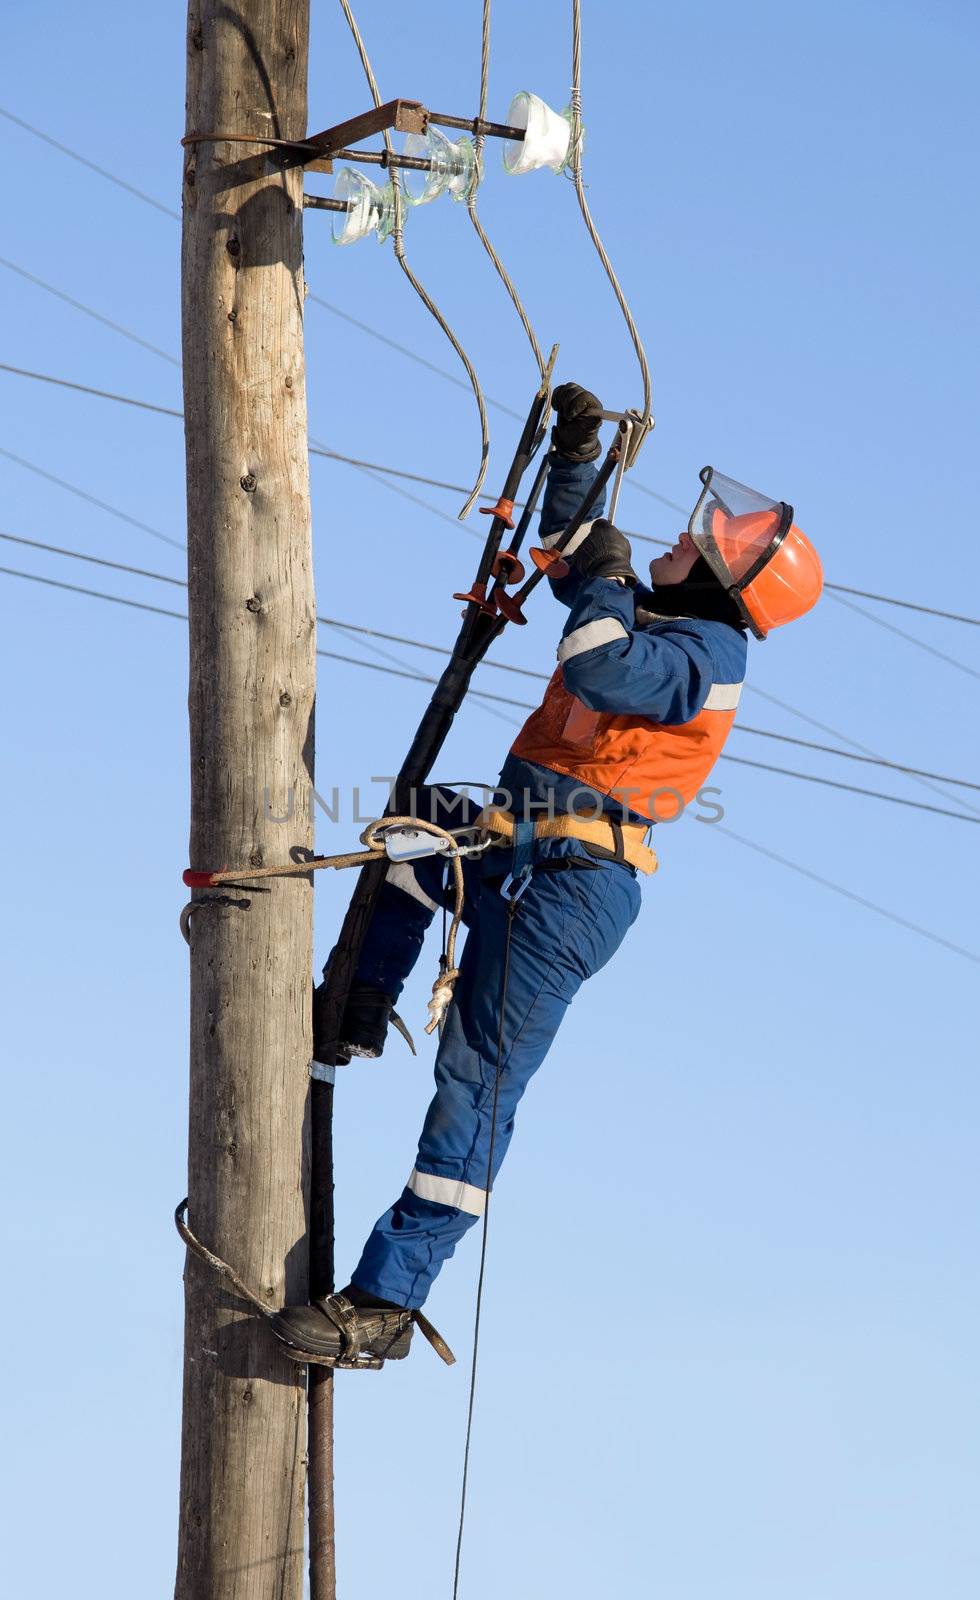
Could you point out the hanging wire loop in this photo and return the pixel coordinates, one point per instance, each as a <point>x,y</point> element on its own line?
<point>644,417</point>
<point>480,122</point>
<point>397,235</point>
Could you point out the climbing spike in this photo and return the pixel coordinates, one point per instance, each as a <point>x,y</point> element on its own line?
<point>199,880</point>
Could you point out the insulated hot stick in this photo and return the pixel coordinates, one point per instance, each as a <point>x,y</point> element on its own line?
<point>550,563</point>
<point>502,512</point>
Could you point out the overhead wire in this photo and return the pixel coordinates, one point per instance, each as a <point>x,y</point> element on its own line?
<point>911,638</point>
<point>848,894</point>
<point>362,630</point>
<point>83,494</point>
<point>88,311</point>
<point>401,349</point>
<point>576,156</point>
<point>471,200</point>
<point>373,468</point>
<point>318,448</point>
<point>524,705</point>
<point>397,238</point>
<point>93,166</point>
<point>827,883</point>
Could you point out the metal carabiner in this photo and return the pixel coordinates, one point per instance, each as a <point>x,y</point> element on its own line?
<point>523,879</point>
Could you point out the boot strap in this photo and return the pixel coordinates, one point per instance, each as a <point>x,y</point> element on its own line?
<point>435,1338</point>
<point>338,1310</point>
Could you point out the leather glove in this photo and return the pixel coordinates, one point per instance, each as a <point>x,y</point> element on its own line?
<point>605,553</point>
<point>576,433</point>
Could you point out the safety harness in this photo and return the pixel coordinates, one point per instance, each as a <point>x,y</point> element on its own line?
<point>622,841</point>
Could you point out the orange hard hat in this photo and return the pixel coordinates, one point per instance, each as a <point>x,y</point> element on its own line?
<point>752,545</point>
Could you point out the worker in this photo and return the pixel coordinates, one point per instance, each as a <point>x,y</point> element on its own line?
<point>633,720</point>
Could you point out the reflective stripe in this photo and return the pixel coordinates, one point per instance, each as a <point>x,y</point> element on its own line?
<point>402,876</point>
<point>591,634</point>
<point>574,541</point>
<point>448,1192</point>
<point>723,697</point>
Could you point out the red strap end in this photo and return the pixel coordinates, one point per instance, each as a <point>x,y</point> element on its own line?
<point>198,880</point>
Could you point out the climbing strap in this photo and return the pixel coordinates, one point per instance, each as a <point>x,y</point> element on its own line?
<point>335,1307</point>
<point>623,840</point>
<point>394,838</point>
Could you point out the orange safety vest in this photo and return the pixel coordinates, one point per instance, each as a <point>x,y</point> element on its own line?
<point>633,759</point>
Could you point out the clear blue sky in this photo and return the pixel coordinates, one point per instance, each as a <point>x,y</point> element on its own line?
<point>756,1139</point>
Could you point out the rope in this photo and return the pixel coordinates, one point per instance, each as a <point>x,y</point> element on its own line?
<point>646,418</point>
<point>471,200</point>
<point>504,983</point>
<point>442,989</point>
<point>430,305</point>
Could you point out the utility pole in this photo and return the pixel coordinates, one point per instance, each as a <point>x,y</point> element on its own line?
<point>252,679</point>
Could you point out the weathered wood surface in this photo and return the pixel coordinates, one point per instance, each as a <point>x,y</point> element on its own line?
<point>252,674</point>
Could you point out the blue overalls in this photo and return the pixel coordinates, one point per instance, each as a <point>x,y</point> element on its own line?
<point>571,917</point>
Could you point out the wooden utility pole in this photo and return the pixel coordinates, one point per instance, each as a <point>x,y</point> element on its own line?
<point>252,674</point>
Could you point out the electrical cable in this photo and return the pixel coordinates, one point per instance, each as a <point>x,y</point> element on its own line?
<point>103,172</point>
<point>576,155</point>
<point>880,622</point>
<point>88,311</point>
<point>498,666</point>
<point>83,494</point>
<point>398,242</point>
<point>848,894</point>
<point>318,448</point>
<point>471,206</point>
<point>524,705</point>
<point>793,866</point>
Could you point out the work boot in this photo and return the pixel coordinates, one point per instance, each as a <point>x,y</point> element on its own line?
<point>352,1327</point>
<point>363,1027</point>
<point>365,1023</point>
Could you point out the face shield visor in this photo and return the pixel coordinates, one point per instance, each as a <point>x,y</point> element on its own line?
<point>738,531</point>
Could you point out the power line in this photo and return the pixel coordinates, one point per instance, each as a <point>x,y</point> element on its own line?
<point>524,705</point>
<point>865,750</point>
<point>94,594</point>
<point>506,666</point>
<point>880,622</point>
<point>88,311</point>
<point>96,561</point>
<point>83,494</point>
<point>86,388</point>
<point>848,894</point>
<point>412,355</point>
<point>93,166</point>
<point>792,866</point>
<point>450,377</point>
<point>318,448</point>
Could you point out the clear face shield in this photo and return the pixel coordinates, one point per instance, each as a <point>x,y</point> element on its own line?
<point>737,529</point>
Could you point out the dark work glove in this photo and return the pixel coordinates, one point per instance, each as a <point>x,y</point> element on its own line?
<point>576,433</point>
<point>605,553</point>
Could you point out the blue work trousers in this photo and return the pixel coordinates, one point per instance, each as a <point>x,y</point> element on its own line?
<point>570,919</point>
